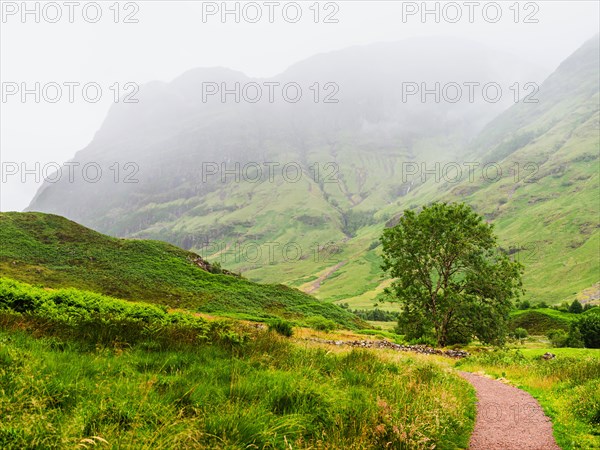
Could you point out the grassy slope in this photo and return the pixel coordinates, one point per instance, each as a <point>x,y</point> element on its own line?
<point>208,397</point>
<point>80,369</point>
<point>54,252</point>
<point>550,215</point>
<point>540,321</point>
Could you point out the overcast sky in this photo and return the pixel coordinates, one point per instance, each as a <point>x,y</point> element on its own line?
<point>171,37</point>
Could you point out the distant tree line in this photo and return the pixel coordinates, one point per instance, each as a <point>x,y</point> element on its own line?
<point>374,315</point>
<point>575,307</point>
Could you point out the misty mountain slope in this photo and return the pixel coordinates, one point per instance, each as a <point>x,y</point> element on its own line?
<point>577,76</point>
<point>54,252</point>
<point>320,232</point>
<point>171,132</point>
<point>551,207</point>
<point>545,205</point>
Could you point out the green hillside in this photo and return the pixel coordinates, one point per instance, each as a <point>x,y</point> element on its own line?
<point>546,212</point>
<point>319,232</point>
<point>54,252</point>
<point>540,321</point>
<point>550,211</point>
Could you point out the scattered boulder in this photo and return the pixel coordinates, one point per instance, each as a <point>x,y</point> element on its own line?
<point>208,267</point>
<point>202,263</point>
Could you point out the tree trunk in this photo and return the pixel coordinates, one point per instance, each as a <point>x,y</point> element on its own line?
<point>442,336</point>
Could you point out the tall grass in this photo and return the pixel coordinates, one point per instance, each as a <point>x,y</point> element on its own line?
<point>80,369</point>
<point>267,393</point>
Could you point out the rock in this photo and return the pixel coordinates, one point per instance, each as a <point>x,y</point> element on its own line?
<point>398,347</point>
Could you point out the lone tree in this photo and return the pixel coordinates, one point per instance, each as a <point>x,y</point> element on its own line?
<point>451,278</point>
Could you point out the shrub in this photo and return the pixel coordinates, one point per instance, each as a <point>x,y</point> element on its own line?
<point>215,267</point>
<point>95,318</point>
<point>282,327</point>
<point>321,323</point>
<point>576,307</point>
<point>376,315</point>
<point>574,338</point>
<point>520,334</point>
<point>589,327</point>
<point>424,340</point>
<point>558,338</point>
<point>373,245</point>
<point>524,305</point>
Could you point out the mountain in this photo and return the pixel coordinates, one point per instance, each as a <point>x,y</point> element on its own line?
<point>544,205</point>
<point>547,202</point>
<point>54,252</point>
<point>319,231</point>
<point>162,145</point>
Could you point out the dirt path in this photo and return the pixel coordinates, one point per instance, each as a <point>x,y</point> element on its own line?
<point>317,283</point>
<point>508,418</point>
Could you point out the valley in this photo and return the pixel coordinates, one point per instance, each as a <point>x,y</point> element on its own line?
<point>346,179</point>
<point>378,244</point>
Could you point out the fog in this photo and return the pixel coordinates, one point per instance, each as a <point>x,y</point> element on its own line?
<point>166,39</point>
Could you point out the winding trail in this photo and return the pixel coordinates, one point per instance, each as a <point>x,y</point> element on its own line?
<point>317,283</point>
<point>508,418</point>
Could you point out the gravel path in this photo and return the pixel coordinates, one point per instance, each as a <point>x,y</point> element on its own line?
<point>508,418</point>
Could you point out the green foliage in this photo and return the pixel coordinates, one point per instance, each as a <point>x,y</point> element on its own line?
<point>414,330</point>
<point>423,340</point>
<point>585,331</point>
<point>558,338</point>
<point>266,393</point>
<point>589,327</point>
<point>524,305</point>
<point>95,319</point>
<point>540,321</point>
<point>575,307</point>
<point>519,333</point>
<point>585,403</point>
<point>55,252</point>
<point>449,274</point>
<point>355,220</point>
<point>283,327</point>
<point>215,267</point>
<point>376,315</point>
<point>321,324</point>
<point>572,339</point>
